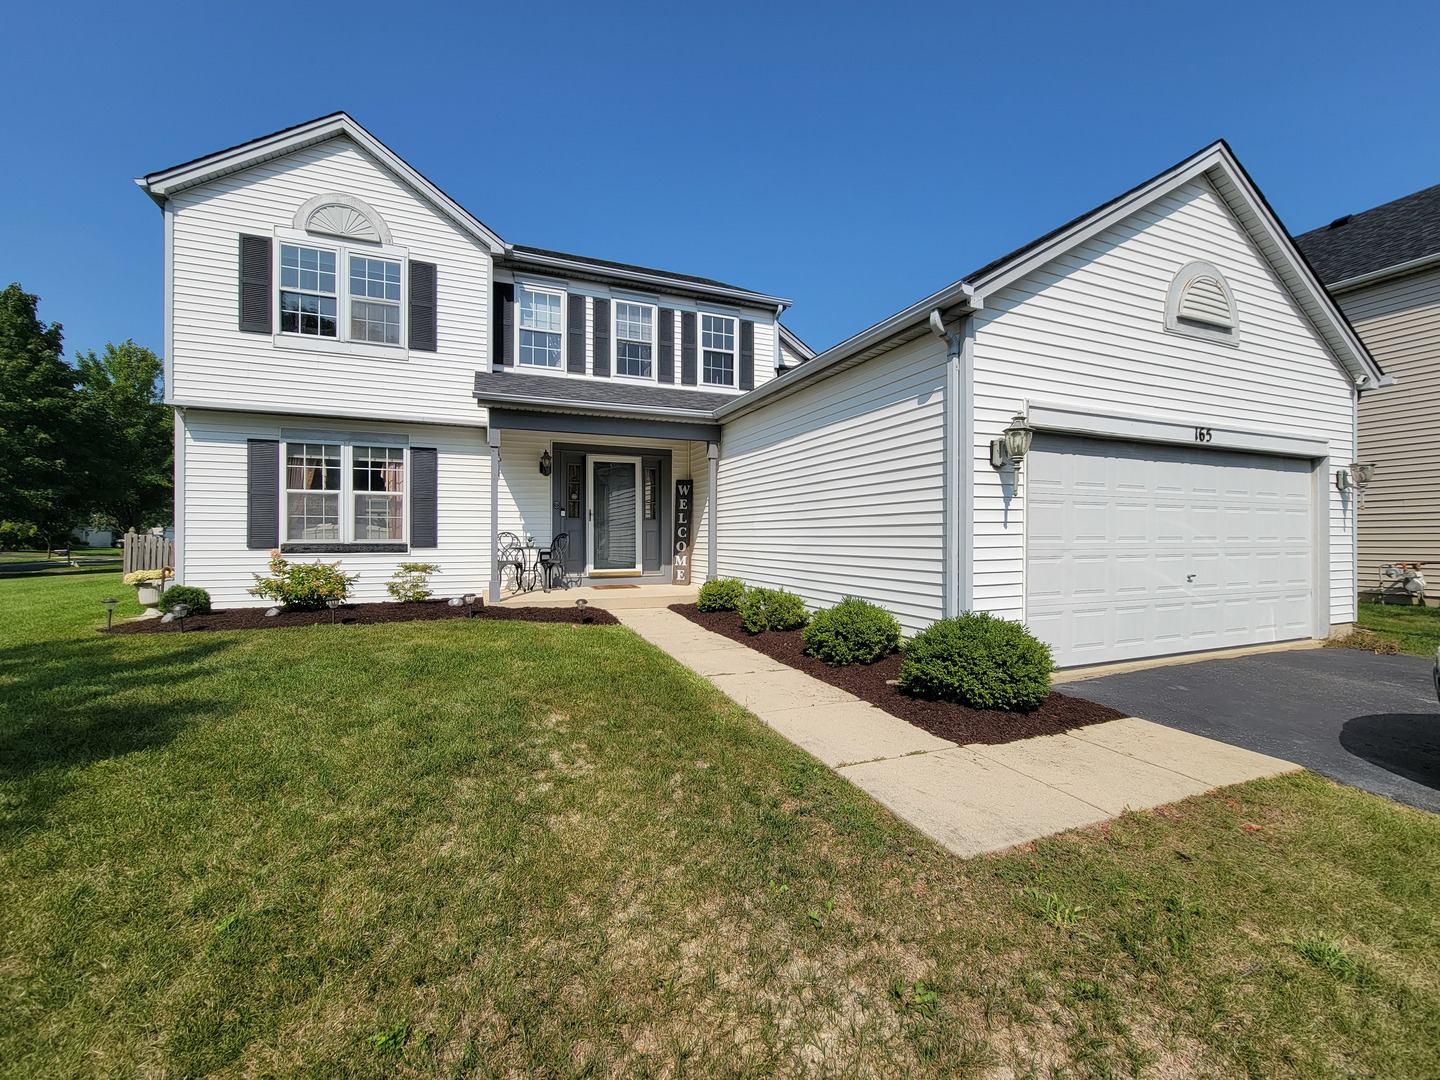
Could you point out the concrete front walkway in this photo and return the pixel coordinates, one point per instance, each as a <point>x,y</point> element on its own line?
<point>971,799</point>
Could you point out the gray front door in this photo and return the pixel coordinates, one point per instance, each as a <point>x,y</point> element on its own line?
<point>615,515</point>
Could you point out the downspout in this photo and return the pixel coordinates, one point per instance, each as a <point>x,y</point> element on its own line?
<point>492,435</point>
<point>958,471</point>
<point>712,532</point>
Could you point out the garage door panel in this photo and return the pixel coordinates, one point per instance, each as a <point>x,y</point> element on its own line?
<point>1136,550</point>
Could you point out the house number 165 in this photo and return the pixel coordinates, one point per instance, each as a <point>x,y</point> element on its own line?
<point>1204,434</point>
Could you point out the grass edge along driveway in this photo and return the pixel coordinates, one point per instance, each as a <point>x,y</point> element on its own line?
<point>476,849</point>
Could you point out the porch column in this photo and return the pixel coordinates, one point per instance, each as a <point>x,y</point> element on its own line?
<point>712,452</point>
<point>493,436</point>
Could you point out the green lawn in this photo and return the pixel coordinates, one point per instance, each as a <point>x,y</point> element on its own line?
<point>475,849</point>
<point>1416,630</point>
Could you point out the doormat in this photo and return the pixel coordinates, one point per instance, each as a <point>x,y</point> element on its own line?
<point>614,586</point>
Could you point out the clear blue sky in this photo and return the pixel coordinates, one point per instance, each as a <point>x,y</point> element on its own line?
<point>853,157</point>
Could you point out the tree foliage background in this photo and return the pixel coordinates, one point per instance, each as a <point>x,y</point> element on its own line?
<point>77,443</point>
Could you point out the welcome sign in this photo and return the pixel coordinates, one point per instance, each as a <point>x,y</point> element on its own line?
<point>684,504</point>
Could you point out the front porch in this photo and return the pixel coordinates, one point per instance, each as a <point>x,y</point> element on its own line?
<point>609,597</point>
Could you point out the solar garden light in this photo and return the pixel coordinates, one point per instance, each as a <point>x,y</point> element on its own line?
<point>109,602</point>
<point>469,598</point>
<point>580,606</point>
<point>180,611</point>
<point>332,602</point>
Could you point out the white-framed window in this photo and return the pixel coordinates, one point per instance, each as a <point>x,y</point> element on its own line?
<point>540,326</point>
<point>342,493</point>
<point>717,350</point>
<point>634,339</point>
<point>341,293</point>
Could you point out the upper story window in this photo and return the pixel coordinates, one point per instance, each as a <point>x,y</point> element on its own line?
<point>541,324</point>
<point>374,300</point>
<point>308,303</point>
<point>717,347</point>
<point>634,340</point>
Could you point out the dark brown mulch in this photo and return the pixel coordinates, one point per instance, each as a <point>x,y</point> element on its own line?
<point>254,618</point>
<point>871,682</point>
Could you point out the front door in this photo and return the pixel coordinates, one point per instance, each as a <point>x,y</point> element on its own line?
<point>614,535</point>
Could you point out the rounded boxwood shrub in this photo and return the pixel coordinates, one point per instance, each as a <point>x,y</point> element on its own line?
<point>854,631</point>
<point>722,594</point>
<point>197,599</point>
<point>980,661</point>
<point>772,609</point>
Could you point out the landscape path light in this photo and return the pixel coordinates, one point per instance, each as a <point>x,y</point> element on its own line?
<point>332,602</point>
<point>109,603</point>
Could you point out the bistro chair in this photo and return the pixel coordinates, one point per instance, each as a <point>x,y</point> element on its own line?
<point>512,558</point>
<point>552,562</point>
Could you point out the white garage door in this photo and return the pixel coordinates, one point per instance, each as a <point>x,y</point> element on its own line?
<point>1136,549</point>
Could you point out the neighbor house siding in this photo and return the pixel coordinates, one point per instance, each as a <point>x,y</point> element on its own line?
<point>217,365</point>
<point>1087,330</point>
<point>1399,320</point>
<point>214,553</point>
<point>837,488</point>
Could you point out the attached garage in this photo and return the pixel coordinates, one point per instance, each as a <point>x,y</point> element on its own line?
<point>1141,549</point>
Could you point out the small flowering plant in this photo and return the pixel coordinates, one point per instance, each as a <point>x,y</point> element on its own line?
<point>302,586</point>
<point>154,578</point>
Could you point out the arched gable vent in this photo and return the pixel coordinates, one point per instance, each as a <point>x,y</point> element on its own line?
<point>1200,303</point>
<point>343,216</point>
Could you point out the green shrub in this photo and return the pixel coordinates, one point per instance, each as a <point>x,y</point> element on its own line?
<point>197,599</point>
<point>854,631</point>
<point>980,661</point>
<point>302,586</point>
<point>722,594</point>
<point>772,609</point>
<point>411,582</point>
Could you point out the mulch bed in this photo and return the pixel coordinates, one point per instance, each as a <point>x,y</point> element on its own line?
<point>254,618</point>
<point>872,682</point>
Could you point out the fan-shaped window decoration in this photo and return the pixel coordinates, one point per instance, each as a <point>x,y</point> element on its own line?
<point>1200,304</point>
<point>343,216</point>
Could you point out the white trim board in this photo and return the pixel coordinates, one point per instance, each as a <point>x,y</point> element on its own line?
<point>1185,431</point>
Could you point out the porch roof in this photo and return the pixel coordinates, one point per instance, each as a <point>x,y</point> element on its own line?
<point>603,397</point>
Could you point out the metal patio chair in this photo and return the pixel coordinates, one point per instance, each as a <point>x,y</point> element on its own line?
<point>552,563</point>
<point>512,558</point>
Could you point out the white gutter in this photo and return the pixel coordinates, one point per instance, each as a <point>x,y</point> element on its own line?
<point>1398,270</point>
<point>590,408</point>
<point>958,466</point>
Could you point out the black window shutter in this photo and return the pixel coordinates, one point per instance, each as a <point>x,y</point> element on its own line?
<point>602,337</point>
<point>747,355</point>
<point>422,306</point>
<point>665,360</point>
<point>262,516</point>
<point>504,319</point>
<point>575,347</point>
<point>424,497</point>
<point>687,348</point>
<point>255,284</point>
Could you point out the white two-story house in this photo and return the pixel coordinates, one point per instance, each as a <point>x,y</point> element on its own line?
<point>362,370</point>
<point>1136,433</point>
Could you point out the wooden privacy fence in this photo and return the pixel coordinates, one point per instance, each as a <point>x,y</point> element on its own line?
<point>144,551</point>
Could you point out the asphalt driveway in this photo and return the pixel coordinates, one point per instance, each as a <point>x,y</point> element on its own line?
<point>1365,720</point>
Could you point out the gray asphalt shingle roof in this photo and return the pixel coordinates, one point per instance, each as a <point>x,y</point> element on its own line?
<point>513,387</point>
<point>1397,232</point>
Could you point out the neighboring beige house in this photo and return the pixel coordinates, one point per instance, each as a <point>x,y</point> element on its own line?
<point>1383,268</point>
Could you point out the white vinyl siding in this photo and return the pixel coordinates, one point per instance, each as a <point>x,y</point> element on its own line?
<point>1399,320</point>
<point>837,489</point>
<point>213,519</point>
<point>1087,331</point>
<point>215,364</point>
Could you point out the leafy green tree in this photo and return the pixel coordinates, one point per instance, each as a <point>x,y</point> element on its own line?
<point>43,482</point>
<point>131,433</point>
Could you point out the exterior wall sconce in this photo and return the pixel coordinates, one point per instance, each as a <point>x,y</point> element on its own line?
<point>1355,475</point>
<point>546,463</point>
<point>1012,447</point>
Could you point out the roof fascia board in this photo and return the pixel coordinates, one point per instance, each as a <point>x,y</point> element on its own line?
<point>1413,266</point>
<point>161,185</point>
<point>956,295</point>
<point>574,266</point>
<point>787,336</point>
<point>596,408</point>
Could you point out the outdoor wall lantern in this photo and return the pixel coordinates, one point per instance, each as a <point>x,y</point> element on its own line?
<point>109,602</point>
<point>545,463</point>
<point>1356,475</point>
<point>1014,445</point>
